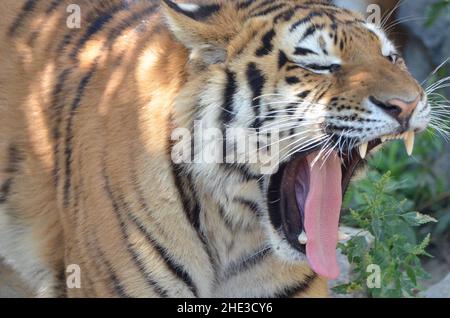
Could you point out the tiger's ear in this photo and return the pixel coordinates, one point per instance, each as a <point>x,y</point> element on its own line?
<point>203,29</point>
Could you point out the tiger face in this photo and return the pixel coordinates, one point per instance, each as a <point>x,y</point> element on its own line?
<point>330,85</point>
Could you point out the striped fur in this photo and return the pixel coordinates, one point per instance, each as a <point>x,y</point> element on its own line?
<point>86,117</point>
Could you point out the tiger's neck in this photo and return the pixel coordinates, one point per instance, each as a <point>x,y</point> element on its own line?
<point>226,211</point>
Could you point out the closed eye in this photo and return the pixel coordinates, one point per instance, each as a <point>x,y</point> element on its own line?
<point>322,68</point>
<point>394,57</point>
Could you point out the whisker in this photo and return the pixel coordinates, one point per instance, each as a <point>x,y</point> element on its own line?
<point>290,137</point>
<point>389,14</point>
<point>435,71</point>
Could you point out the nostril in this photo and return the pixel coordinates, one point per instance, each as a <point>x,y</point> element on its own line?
<point>393,110</point>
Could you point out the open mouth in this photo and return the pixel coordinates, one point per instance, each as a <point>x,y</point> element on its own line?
<point>307,193</point>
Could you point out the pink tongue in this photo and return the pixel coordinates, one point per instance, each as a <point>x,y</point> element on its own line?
<point>322,210</point>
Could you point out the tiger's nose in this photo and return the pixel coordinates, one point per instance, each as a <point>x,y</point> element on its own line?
<point>399,109</point>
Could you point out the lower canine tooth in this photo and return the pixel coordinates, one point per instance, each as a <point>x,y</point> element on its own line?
<point>409,142</point>
<point>302,238</point>
<point>363,150</point>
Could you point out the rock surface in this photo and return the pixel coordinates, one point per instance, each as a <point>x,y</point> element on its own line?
<point>435,38</point>
<point>428,46</point>
<point>440,290</point>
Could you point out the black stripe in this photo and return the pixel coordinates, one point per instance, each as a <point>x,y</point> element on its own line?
<point>176,268</point>
<point>15,157</point>
<point>96,26</point>
<point>251,205</point>
<point>117,284</point>
<point>293,67</point>
<point>311,30</point>
<point>322,93</point>
<point>116,32</point>
<point>191,208</point>
<point>245,4</point>
<point>317,67</point>
<point>92,244</point>
<point>123,227</point>
<point>53,5</point>
<point>5,190</point>
<point>298,288</point>
<point>248,263</point>
<point>57,107</point>
<point>304,94</point>
<point>267,45</point>
<point>69,132</point>
<point>230,226</point>
<point>240,169</point>
<point>27,9</point>
<point>61,277</point>
<point>256,81</point>
<point>306,19</point>
<point>269,10</point>
<point>188,197</point>
<point>50,9</point>
<point>227,115</point>
<point>203,12</point>
<point>303,51</point>
<point>286,15</point>
<point>328,4</point>
<point>292,80</point>
<point>282,59</point>
<point>273,198</point>
<point>123,25</point>
<point>32,39</point>
<point>291,109</point>
<point>81,240</point>
<point>260,5</point>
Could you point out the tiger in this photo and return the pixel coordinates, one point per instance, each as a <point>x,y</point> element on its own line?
<point>99,119</point>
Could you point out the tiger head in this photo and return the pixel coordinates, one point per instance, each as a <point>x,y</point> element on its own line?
<point>331,85</point>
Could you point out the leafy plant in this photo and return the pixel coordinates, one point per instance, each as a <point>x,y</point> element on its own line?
<point>393,246</point>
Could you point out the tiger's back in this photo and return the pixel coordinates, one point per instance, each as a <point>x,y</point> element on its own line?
<point>67,95</point>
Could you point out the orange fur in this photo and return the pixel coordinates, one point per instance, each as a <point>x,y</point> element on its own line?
<point>86,127</point>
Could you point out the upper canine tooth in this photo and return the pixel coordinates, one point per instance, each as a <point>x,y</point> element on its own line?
<point>302,238</point>
<point>409,142</point>
<point>384,139</point>
<point>363,150</point>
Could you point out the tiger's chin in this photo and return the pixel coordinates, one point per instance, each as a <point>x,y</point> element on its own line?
<point>305,199</point>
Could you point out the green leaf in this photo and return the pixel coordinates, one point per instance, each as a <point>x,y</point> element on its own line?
<point>420,249</point>
<point>341,289</point>
<point>412,275</point>
<point>418,219</point>
<point>379,206</point>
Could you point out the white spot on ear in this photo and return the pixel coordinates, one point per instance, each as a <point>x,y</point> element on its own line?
<point>387,47</point>
<point>190,7</point>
